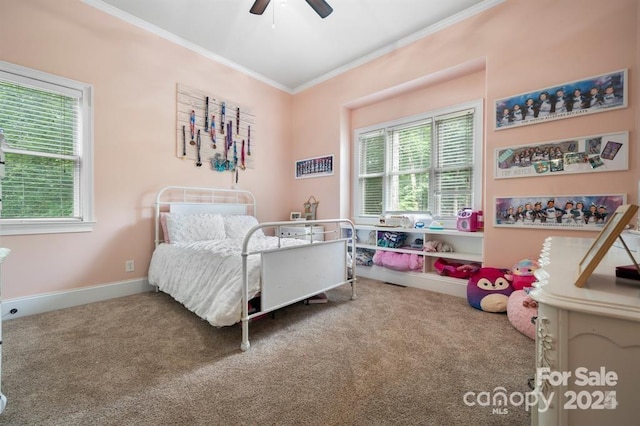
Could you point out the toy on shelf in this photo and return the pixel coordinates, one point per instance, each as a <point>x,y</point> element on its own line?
<point>455,270</point>
<point>435,225</point>
<point>437,246</point>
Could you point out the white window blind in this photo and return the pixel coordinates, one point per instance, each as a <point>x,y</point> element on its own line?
<point>424,163</point>
<point>371,172</point>
<point>46,123</point>
<point>409,155</point>
<point>453,171</point>
<point>42,165</point>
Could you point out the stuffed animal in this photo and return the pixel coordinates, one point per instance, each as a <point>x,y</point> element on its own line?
<point>488,289</point>
<point>521,275</point>
<point>437,246</point>
<point>455,270</point>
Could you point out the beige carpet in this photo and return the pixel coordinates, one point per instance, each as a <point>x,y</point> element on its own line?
<point>393,356</point>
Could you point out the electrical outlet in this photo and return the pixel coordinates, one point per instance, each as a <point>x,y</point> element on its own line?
<point>129,266</point>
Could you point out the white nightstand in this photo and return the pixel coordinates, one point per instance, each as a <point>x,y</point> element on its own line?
<point>303,232</point>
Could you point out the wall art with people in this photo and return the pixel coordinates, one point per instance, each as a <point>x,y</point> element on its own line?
<point>573,212</point>
<point>587,96</point>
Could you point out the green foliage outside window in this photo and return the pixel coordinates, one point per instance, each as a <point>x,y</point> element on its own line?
<point>425,165</point>
<point>41,168</point>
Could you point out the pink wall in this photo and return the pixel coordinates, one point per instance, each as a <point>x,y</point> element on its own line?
<point>568,40</point>
<point>134,74</point>
<point>438,95</point>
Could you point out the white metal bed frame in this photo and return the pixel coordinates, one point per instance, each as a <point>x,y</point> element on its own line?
<point>288,274</point>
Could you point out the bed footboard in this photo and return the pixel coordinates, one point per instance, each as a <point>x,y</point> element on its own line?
<point>295,273</point>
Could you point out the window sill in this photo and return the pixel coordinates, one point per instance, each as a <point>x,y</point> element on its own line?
<point>34,227</point>
<point>448,223</point>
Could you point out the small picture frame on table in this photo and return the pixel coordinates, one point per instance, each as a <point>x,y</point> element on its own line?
<point>614,226</point>
<point>295,216</point>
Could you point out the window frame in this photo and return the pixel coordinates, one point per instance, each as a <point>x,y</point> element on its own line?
<point>85,186</point>
<point>477,175</point>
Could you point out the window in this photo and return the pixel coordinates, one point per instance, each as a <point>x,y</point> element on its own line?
<point>430,162</point>
<point>46,122</point>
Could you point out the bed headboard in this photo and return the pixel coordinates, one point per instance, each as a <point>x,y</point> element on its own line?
<point>192,200</point>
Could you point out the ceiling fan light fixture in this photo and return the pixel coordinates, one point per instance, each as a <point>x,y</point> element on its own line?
<point>259,6</point>
<point>321,7</point>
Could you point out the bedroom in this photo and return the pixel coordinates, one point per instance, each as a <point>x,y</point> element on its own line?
<point>134,76</point>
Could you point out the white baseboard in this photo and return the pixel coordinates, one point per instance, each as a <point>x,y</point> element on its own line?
<point>425,280</point>
<point>47,302</point>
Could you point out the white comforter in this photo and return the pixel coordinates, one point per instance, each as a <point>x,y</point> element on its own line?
<point>206,276</point>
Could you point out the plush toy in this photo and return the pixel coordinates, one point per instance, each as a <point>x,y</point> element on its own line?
<point>437,246</point>
<point>521,275</point>
<point>488,289</point>
<point>521,308</point>
<point>453,269</point>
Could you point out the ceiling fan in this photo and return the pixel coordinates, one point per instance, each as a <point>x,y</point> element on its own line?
<point>321,7</point>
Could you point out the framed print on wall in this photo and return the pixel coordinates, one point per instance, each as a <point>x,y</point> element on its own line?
<point>314,167</point>
<point>598,153</point>
<point>566,212</point>
<point>587,96</point>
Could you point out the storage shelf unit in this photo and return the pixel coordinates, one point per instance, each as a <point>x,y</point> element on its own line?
<point>467,248</point>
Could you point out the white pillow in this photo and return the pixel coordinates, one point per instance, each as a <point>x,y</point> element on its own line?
<point>184,228</point>
<point>163,225</point>
<point>237,226</point>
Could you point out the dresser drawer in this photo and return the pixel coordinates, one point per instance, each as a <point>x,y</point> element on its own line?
<point>303,232</point>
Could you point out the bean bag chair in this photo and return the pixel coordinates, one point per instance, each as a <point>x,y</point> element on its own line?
<point>488,290</point>
<point>520,309</point>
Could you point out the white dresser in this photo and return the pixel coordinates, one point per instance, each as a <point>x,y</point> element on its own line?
<point>588,339</point>
<point>303,232</point>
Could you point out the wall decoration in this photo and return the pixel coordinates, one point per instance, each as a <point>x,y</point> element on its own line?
<point>566,212</point>
<point>314,167</point>
<point>590,95</point>
<point>214,131</point>
<point>311,208</point>
<point>598,153</point>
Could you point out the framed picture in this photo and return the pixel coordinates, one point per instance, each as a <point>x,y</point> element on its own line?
<point>295,216</point>
<point>566,212</point>
<point>616,223</point>
<point>588,96</point>
<point>314,167</point>
<point>586,154</point>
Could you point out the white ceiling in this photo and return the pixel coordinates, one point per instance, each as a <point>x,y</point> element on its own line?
<point>301,49</point>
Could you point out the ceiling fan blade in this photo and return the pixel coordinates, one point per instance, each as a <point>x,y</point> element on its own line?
<point>259,6</point>
<point>321,7</point>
